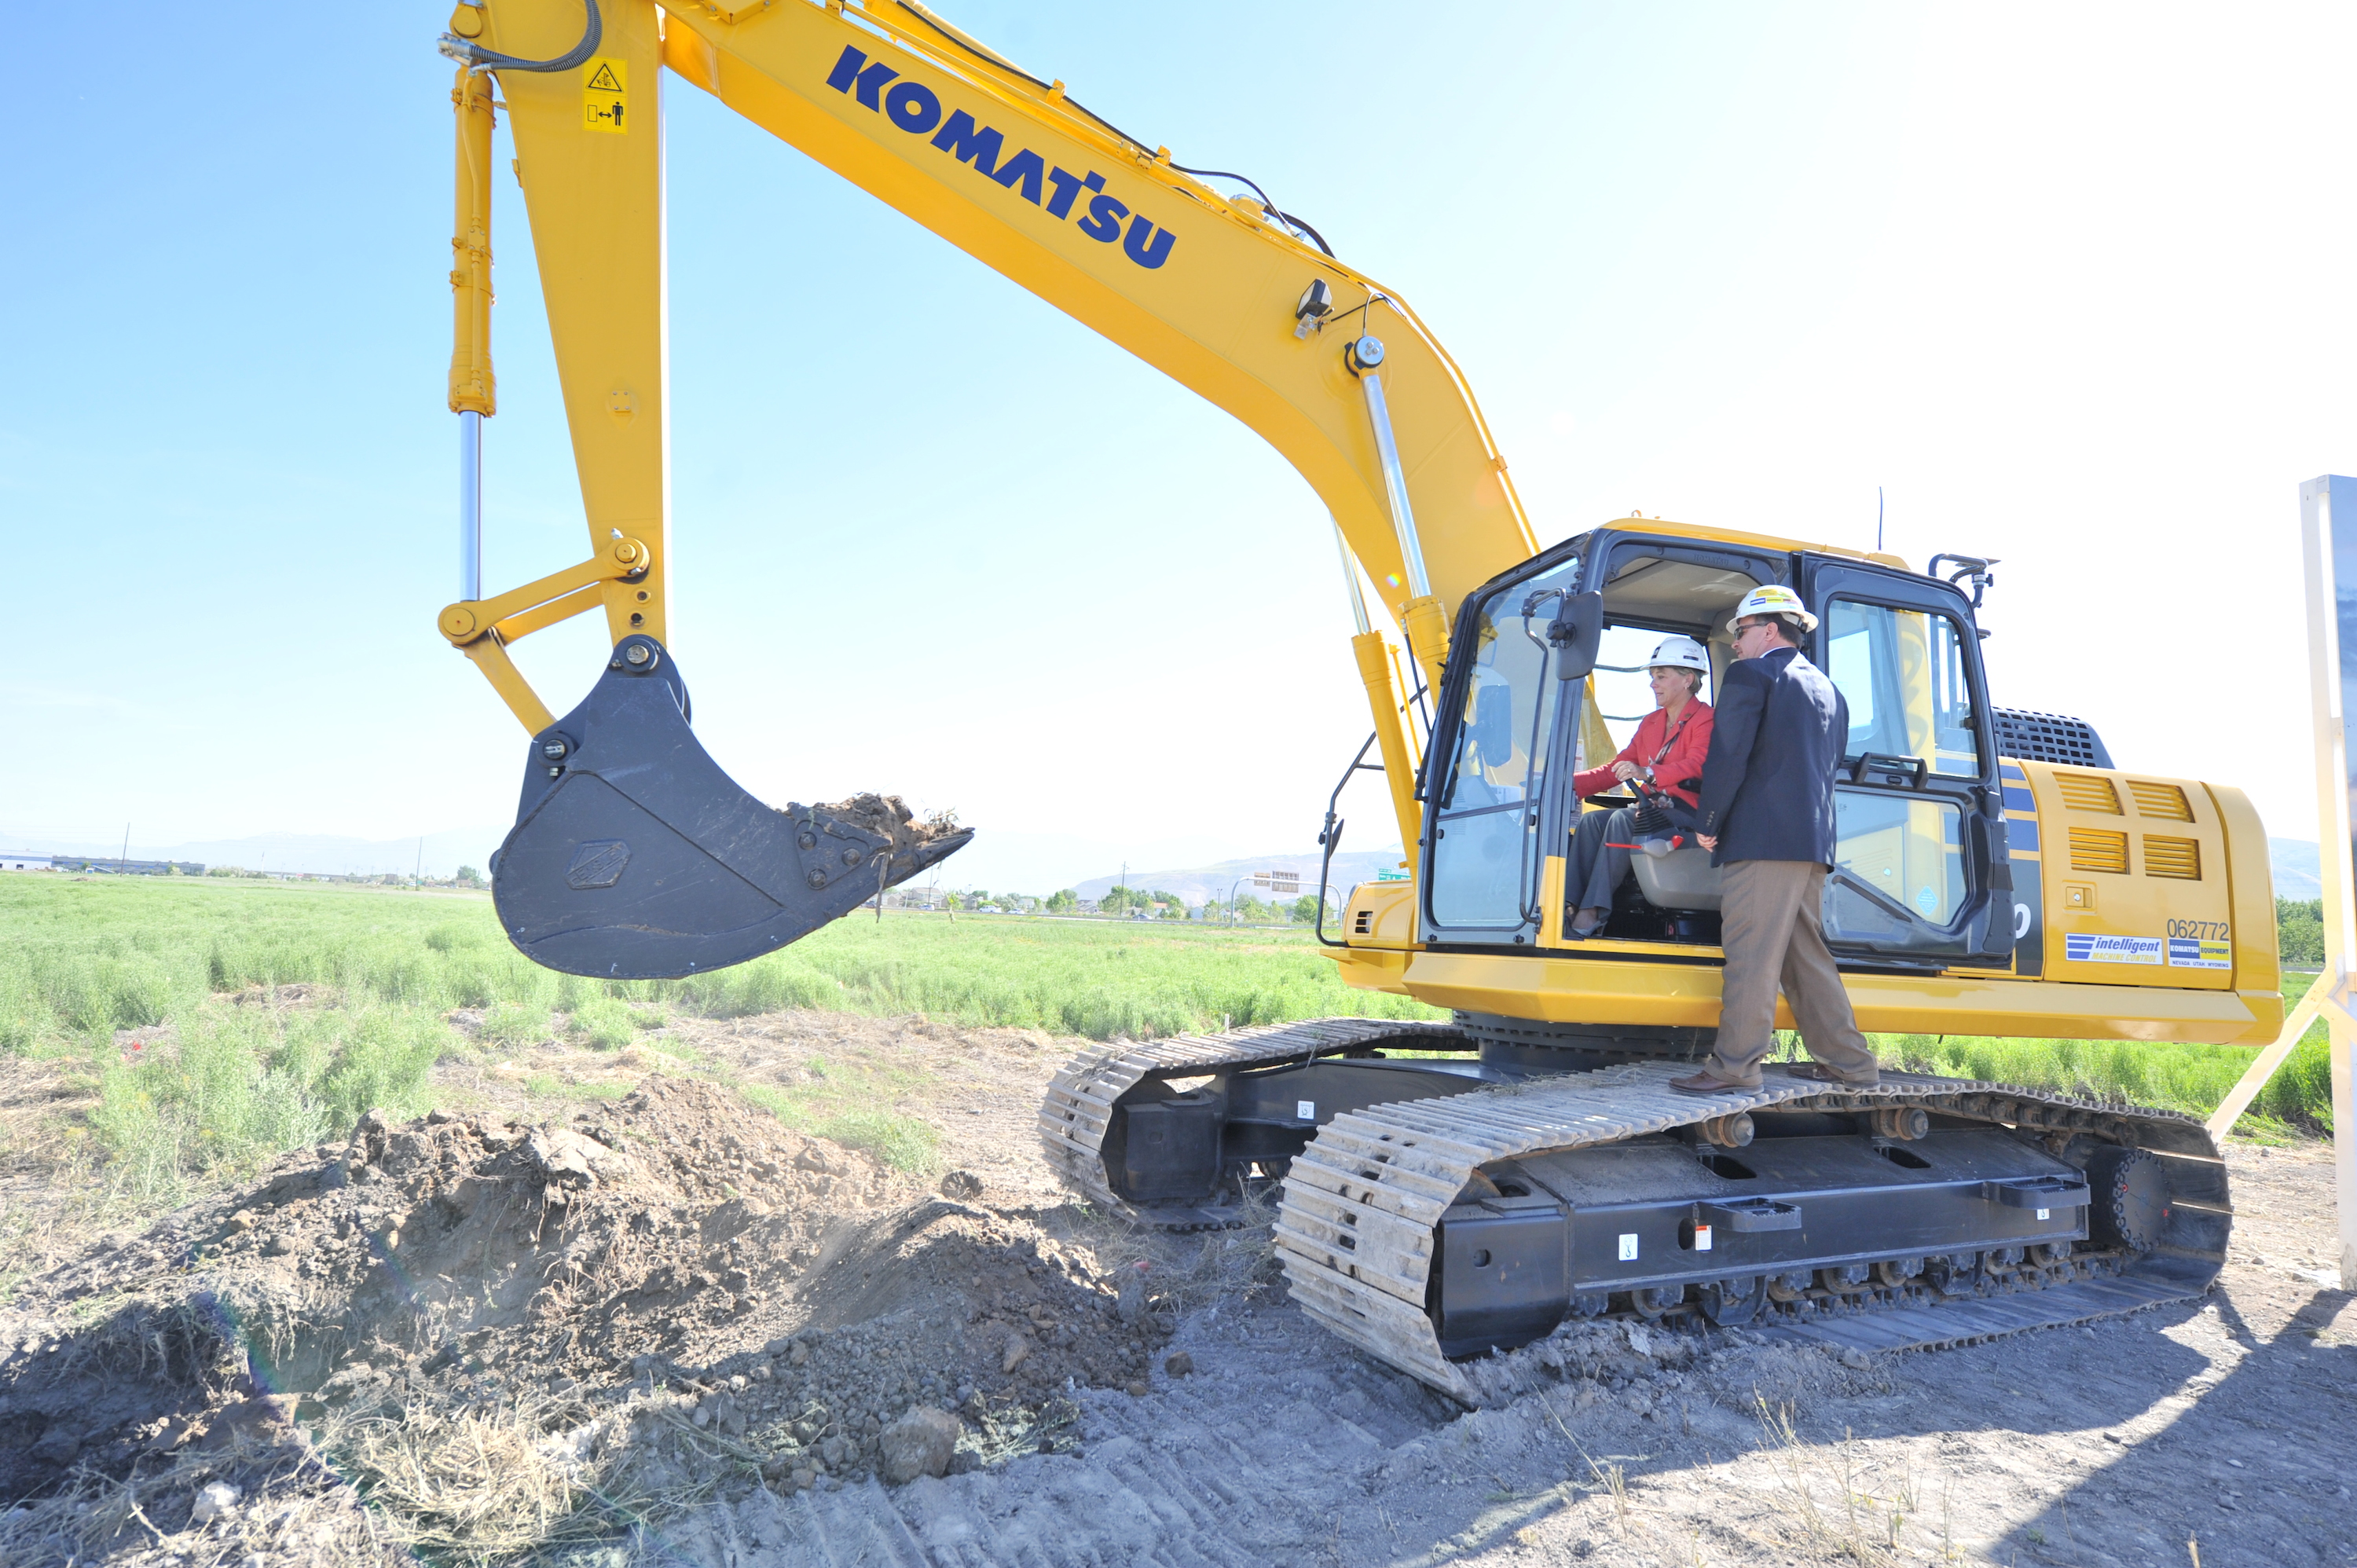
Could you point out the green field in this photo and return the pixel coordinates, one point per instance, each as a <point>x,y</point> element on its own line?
<point>2297,1099</point>
<point>87,958</point>
<point>133,984</point>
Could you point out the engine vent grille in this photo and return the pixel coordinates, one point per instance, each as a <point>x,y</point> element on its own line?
<point>2099,849</point>
<point>2171,857</point>
<point>2157,799</point>
<point>2049,737</point>
<point>1365,924</point>
<point>2088,792</point>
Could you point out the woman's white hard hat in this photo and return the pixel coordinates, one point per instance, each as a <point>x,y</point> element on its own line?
<point>1773,599</point>
<point>1680,653</point>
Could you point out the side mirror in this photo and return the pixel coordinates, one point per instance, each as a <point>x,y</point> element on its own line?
<point>1577,633</point>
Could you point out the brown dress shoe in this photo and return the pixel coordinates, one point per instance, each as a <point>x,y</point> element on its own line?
<point>1820,1073</point>
<point>1704,1082</point>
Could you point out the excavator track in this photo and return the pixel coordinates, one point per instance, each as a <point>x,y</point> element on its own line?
<point>1078,1110</point>
<point>1357,1220</point>
<point>1355,1228</point>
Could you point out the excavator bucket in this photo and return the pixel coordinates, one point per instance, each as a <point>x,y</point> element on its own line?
<point>634,856</point>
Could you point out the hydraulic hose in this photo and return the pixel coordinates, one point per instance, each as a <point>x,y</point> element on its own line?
<point>1287,219</point>
<point>474,57</point>
<point>975,48</point>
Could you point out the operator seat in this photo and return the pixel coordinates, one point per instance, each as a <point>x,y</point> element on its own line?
<point>1683,879</point>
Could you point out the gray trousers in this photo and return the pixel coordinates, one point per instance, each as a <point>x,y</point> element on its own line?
<point>1771,924</point>
<point>1596,867</point>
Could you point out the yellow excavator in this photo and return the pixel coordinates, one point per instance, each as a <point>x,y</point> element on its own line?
<point>1443,1190</point>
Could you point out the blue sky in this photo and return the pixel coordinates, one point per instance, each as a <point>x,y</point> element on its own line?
<point>2069,285</point>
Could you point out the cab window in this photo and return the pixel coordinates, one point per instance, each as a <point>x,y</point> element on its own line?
<point>1898,860</point>
<point>1902,674</point>
<point>1483,862</point>
<point>1622,682</point>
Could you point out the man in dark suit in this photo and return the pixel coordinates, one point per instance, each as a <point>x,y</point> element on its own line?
<point>1767,817</point>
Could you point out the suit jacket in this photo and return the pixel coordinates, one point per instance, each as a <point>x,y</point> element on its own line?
<point>1768,782</point>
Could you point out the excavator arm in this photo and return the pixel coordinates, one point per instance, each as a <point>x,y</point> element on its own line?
<point>621,861</point>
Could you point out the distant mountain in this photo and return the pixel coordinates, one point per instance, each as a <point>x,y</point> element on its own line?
<point>322,853</point>
<point>2296,867</point>
<point>1206,883</point>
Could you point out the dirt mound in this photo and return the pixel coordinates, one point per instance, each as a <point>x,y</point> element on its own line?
<point>677,1286</point>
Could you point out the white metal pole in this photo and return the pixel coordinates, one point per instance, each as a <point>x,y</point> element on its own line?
<point>1351,581</point>
<point>470,505</point>
<point>1379,414</point>
<point>2328,549</point>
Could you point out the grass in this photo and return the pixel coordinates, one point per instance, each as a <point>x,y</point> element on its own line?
<point>90,958</point>
<point>246,1082</point>
<point>2190,1078</point>
<point>848,1101</point>
<point>219,1023</point>
<point>904,1142</point>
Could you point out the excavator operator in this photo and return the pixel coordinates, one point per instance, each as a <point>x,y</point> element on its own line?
<point>1666,752</point>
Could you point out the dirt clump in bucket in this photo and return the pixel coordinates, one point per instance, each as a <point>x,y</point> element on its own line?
<point>888,816</point>
<point>675,1293</point>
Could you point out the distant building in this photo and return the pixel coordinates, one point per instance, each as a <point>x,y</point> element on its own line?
<point>111,866</point>
<point>26,862</point>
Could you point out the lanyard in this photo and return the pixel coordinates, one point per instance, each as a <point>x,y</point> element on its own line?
<point>1671,739</point>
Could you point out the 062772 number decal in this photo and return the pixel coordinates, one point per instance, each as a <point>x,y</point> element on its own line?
<point>2199,944</point>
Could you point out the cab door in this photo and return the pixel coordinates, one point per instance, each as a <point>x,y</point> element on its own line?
<point>1505,727</point>
<point>1920,875</point>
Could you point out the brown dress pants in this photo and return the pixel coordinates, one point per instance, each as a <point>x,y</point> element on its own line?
<point>1772,920</point>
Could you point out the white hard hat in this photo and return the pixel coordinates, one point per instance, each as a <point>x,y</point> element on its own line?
<point>1680,652</point>
<point>1773,599</point>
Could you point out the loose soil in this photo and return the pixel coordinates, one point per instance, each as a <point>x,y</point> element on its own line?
<point>660,1326</point>
<point>889,817</point>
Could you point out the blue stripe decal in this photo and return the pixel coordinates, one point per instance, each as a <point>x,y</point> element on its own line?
<point>2021,834</point>
<point>2020,801</point>
<point>2012,770</point>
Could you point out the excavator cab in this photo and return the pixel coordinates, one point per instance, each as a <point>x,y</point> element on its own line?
<point>1922,878</point>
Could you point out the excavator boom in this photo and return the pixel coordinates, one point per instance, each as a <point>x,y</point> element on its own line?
<point>634,853</point>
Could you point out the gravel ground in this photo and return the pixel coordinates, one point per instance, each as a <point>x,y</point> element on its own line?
<point>2231,1426</point>
<point>2229,1429</point>
<point>1194,1416</point>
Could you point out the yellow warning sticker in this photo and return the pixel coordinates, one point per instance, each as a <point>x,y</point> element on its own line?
<point>605,96</point>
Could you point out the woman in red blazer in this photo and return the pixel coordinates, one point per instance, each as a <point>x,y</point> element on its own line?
<point>1666,752</point>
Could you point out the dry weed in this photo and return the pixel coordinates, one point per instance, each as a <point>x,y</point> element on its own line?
<point>1187,1273</point>
<point>1615,1480</point>
<point>466,1484</point>
<point>480,1483</point>
<point>1871,1524</point>
<point>292,1507</point>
